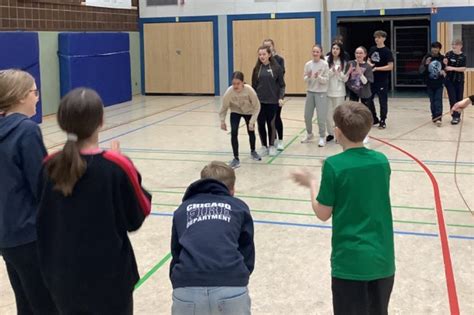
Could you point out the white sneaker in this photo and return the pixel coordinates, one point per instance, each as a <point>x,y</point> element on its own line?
<point>272,150</point>
<point>307,138</point>
<point>322,142</point>
<point>280,145</point>
<point>366,140</point>
<point>263,151</point>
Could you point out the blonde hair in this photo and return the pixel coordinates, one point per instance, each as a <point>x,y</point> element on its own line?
<point>457,41</point>
<point>14,86</point>
<point>221,172</point>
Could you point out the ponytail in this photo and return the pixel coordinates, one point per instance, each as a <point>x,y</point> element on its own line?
<point>66,168</point>
<point>80,114</point>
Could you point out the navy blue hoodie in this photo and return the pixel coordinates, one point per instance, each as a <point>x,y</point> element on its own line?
<point>212,238</point>
<point>21,155</point>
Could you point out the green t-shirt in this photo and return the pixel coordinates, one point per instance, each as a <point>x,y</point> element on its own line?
<point>356,183</point>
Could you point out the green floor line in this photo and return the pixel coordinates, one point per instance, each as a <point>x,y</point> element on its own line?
<point>286,146</point>
<point>307,200</point>
<point>152,270</point>
<point>285,156</point>
<point>284,164</point>
<point>312,215</point>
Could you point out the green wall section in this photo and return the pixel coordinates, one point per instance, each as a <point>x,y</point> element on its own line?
<point>49,63</point>
<point>135,62</point>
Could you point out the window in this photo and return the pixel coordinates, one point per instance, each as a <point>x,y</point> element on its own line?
<point>465,32</point>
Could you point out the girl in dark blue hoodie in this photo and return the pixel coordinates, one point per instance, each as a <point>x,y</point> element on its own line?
<point>21,155</point>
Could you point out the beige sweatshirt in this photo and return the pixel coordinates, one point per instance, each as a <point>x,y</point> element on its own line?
<point>246,102</point>
<point>319,84</point>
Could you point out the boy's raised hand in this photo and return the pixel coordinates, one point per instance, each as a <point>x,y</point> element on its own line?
<point>302,177</point>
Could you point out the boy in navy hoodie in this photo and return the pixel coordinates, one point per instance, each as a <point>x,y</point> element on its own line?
<point>212,247</point>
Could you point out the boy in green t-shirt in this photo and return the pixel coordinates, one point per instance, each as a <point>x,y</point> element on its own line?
<point>355,191</point>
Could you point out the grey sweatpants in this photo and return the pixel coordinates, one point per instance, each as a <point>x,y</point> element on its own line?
<point>320,102</point>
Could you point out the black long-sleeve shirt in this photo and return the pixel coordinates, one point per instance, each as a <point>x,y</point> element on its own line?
<point>84,250</point>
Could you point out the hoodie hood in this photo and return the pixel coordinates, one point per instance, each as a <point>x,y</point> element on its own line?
<point>10,123</point>
<point>206,186</point>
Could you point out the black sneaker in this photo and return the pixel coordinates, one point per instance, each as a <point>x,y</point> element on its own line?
<point>455,121</point>
<point>329,138</point>
<point>376,121</point>
<point>382,124</point>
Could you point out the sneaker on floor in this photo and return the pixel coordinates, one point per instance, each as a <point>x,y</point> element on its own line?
<point>280,145</point>
<point>234,163</point>
<point>438,123</point>
<point>254,155</point>
<point>308,138</point>
<point>321,142</point>
<point>376,121</point>
<point>455,121</point>
<point>272,151</point>
<point>366,140</point>
<point>382,124</point>
<point>329,138</point>
<point>263,151</point>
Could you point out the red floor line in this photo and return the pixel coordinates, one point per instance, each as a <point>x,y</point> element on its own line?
<point>448,267</point>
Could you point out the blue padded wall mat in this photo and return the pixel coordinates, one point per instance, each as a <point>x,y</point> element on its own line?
<point>20,50</point>
<point>100,61</point>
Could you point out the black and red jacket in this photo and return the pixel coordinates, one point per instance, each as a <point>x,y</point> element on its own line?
<point>84,250</point>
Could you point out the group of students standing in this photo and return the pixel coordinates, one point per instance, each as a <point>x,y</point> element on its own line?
<point>328,80</point>
<point>448,71</point>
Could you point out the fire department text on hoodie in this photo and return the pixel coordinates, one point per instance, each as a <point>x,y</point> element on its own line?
<point>212,238</point>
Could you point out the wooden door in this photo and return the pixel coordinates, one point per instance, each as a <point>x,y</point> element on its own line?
<point>179,58</point>
<point>294,39</point>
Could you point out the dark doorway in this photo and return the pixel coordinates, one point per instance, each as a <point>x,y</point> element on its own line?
<point>407,37</point>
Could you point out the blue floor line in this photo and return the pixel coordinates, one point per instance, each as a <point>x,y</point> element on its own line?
<point>153,123</point>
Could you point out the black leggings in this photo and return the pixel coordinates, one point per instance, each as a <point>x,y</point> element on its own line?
<point>31,294</point>
<point>352,297</point>
<point>234,125</point>
<point>278,129</point>
<point>367,102</point>
<point>266,115</point>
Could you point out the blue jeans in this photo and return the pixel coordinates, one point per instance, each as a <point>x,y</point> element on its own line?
<point>211,301</point>
<point>436,102</point>
<point>455,93</point>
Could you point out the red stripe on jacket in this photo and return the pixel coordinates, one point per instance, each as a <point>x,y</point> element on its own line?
<point>127,166</point>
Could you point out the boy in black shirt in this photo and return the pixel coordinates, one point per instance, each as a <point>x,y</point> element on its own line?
<point>381,60</point>
<point>455,62</point>
<point>432,68</point>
